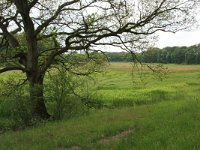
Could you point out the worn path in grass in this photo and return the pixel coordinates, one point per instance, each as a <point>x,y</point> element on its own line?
<point>166,125</point>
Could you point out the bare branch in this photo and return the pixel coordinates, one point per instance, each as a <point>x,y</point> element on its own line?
<point>33,3</point>
<point>59,10</point>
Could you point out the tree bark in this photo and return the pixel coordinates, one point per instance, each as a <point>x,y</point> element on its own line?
<point>34,75</point>
<point>37,97</point>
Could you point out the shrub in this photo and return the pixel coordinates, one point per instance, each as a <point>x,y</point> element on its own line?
<point>14,104</point>
<point>60,94</point>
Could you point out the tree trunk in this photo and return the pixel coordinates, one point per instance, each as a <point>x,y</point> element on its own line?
<point>37,97</point>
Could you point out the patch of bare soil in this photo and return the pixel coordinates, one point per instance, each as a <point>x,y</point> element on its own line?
<point>108,140</point>
<point>71,148</point>
<point>182,69</point>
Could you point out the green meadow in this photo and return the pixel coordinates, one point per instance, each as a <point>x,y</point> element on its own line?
<point>139,110</point>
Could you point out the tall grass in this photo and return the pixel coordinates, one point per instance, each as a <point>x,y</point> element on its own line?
<point>163,114</point>
<point>124,87</point>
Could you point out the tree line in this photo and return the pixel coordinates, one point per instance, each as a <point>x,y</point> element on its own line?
<point>177,55</point>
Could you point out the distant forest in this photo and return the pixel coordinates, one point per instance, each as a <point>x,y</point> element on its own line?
<point>177,55</point>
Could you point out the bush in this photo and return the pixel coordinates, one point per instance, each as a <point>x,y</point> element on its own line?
<point>15,104</point>
<point>21,113</point>
<point>60,94</point>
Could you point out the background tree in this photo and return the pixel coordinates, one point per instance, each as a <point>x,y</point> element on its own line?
<point>176,55</point>
<point>80,25</point>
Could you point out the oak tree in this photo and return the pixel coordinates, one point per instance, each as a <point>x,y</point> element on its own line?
<point>80,25</point>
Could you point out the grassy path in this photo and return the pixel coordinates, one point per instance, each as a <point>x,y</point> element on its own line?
<point>167,125</point>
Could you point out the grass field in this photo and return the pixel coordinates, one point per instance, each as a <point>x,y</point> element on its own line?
<point>121,85</point>
<point>143,110</point>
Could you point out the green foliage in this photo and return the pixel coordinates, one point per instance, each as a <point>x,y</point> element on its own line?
<point>21,113</point>
<point>60,89</point>
<point>69,94</point>
<point>119,56</point>
<point>175,55</point>
<point>15,103</point>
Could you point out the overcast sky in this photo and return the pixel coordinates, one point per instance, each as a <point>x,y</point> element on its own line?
<point>181,38</point>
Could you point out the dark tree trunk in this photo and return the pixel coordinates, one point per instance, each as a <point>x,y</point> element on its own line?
<point>37,97</point>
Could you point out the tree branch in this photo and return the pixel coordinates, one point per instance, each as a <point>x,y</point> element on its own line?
<point>12,68</point>
<point>33,3</point>
<point>58,11</point>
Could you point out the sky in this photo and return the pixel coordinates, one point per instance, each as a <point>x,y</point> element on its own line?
<point>166,39</point>
<point>181,38</point>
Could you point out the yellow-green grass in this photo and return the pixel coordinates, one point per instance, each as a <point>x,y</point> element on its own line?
<point>162,114</point>
<point>127,85</point>
<point>166,125</point>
